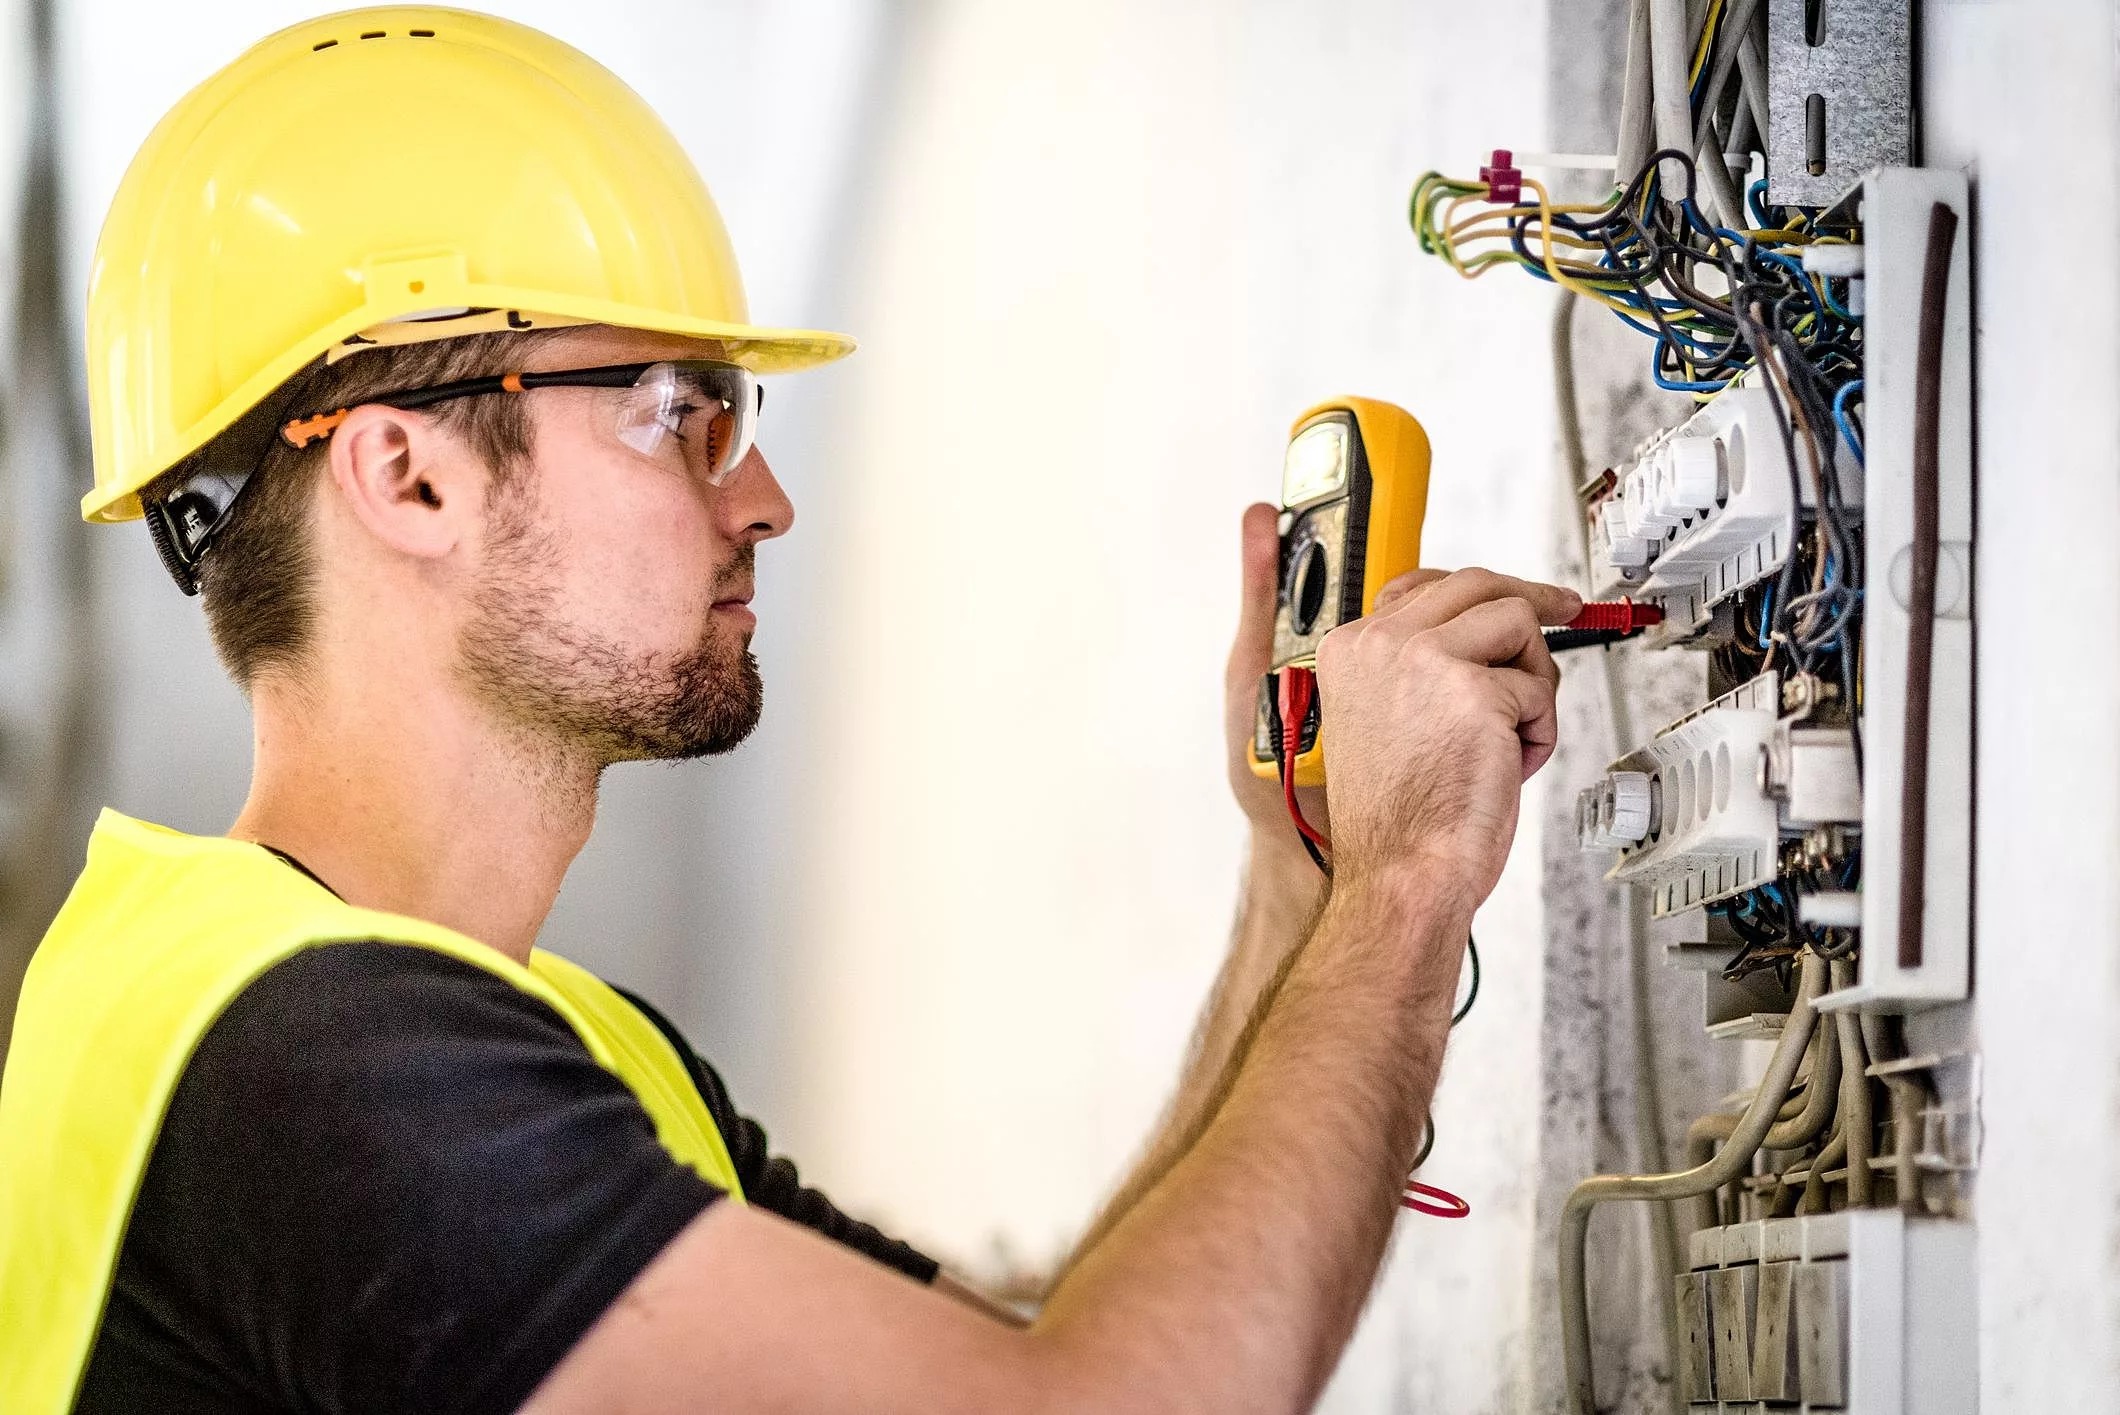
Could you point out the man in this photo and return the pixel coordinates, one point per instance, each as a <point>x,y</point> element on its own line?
<point>419,346</point>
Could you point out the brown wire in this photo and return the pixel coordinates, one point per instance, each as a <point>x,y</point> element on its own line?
<point>1921,586</point>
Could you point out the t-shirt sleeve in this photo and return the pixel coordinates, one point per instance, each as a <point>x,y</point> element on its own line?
<point>771,1181</point>
<point>391,1181</point>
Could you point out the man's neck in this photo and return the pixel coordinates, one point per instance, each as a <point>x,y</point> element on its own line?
<point>419,807</point>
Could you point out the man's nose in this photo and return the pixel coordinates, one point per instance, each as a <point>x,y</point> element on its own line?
<point>753,503</point>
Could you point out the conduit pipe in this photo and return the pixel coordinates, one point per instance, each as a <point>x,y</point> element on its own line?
<point>1908,1096</point>
<point>1814,1183</point>
<point>1856,1125</point>
<point>1821,1093</point>
<point>1671,101</point>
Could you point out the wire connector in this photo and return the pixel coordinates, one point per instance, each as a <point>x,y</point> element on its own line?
<point>1505,183</point>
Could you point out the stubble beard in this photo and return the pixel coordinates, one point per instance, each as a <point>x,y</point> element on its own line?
<point>584,693</point>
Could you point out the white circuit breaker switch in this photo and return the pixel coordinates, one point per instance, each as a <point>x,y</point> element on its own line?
<point>1732,1301</point>
<point>1649,508</point>
<point>1706,510</point>
<point>1617,544</point>
<point>1774,1334</point>
<point>1696,1345</point>
<point>1696,475</point>
<point>1821,1316</point>
<point>1615,812</point>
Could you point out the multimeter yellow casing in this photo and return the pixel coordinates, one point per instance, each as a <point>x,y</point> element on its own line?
<point>1354,492</point>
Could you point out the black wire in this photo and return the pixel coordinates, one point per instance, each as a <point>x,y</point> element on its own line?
<point>1472,953</point>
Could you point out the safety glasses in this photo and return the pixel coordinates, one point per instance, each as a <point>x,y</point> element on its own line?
<point>698,410</point>
<point>706,408</point>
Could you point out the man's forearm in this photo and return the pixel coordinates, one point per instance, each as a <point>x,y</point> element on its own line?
<point>1279,903</point>
<point>1272,1224</point>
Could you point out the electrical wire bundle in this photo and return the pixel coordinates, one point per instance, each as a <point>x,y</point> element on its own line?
<point>1657,263</point>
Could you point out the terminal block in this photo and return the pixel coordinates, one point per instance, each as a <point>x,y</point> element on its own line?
<point>1700,812</point>
<point>1706,510</point>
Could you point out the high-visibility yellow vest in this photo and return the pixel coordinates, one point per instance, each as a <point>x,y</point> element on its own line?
<point>162,931</point>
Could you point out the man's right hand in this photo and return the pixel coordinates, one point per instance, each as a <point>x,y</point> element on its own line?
<point>1438,706</point>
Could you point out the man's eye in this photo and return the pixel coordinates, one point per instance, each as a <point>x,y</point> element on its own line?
<point>674,417</point>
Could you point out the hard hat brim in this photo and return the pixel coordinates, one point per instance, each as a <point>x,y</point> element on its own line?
<point>761,349</point>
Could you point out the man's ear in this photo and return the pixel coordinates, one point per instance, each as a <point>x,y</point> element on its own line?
<point>389,465</point>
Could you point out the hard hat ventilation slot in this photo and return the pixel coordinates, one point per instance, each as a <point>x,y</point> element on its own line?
<point>373,33</point>
<point>421,33</point>
<point>323,44</point>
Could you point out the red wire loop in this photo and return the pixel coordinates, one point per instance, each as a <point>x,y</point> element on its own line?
<point>1446,1204</point>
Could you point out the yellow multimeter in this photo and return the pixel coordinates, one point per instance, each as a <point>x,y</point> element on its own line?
<point>1354,491</point>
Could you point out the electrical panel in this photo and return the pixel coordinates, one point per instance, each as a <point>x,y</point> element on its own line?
<point>1800,834</point>
<point>1793,786</point>
<point>1819,805</point>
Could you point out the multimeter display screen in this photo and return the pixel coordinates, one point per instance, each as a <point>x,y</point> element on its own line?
<point>1317,463</point>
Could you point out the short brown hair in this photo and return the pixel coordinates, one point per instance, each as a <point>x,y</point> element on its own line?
<point>258,580</point>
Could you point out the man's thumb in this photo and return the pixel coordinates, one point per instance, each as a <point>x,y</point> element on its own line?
<point>1261,558</point>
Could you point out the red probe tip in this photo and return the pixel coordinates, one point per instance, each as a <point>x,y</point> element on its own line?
<point>1621,616</point>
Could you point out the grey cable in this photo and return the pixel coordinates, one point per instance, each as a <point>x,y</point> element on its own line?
<point>1707,147</point>
<point>1857,1126</point>
<point>1908,1096</point>
<point>1743,133</point>
<point>1669,41</point>
<point>1752,67</point>
<point>1637,132</point>
<point>1734,26</point>
<point>1728,1163</point>
<point>1821,1093</point>
<point>1814,1182</point>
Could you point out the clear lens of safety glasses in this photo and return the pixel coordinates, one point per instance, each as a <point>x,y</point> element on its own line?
<point>708,410</point>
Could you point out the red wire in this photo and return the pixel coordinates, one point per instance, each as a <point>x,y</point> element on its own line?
<point>1446,1205</point>
<point>1296,688</point>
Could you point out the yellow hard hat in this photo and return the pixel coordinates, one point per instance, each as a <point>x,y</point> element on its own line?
<point>383,176</point>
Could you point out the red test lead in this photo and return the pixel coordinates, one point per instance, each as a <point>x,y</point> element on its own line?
<point>1603,622</point>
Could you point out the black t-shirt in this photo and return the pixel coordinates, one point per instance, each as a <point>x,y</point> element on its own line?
<point>391,1181</point>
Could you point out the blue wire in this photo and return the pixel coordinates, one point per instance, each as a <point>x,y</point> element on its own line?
<point>1841,421</point>
<point>1661,382</point>
<point>1700,223</point>
<point>1759,208</point>
<point>1836,306</point>
<point>1766,615</point>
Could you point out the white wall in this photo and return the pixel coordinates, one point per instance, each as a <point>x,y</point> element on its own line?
<point>1113,250</point>
<point>2027,99</point>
